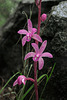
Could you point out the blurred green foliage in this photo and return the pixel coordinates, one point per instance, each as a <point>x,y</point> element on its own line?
<point>7,7</point>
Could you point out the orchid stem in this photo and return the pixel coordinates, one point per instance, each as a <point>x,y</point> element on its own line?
<point>35,63</point>
<point>36,1</point>
<point>35,78</point>
<point>31,79</point>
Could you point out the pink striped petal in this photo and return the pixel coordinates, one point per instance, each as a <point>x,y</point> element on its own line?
<point>35,46</point>
<point>29,26</point>
<point>30,54</point>
<point>34,30</point>
<point>24,40</point>
<point>22,31</point>
<point>15,83</point>
<point>47,54</point>
<point>37,37</point>
<point>41,63</point>
<point>43,46</point>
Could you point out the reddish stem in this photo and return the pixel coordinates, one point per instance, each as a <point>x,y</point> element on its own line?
<point>36,1</point>
<point>35,78</point>
<point>39,19</point>
<point>35,63</point>
<point>31,79</point>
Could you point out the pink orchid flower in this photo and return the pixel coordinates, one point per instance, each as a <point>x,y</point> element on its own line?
<point>22,79</point>
<point>29,34</point>
<point>38,54</point>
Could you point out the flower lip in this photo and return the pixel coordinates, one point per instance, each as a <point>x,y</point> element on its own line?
<point>28,37</point>
<point>20,79</point>
<point>23,81</point>
<point>28,34</point>
<point>36,57</point>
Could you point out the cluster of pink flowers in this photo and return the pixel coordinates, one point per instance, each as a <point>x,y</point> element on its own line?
<point>38,54</point>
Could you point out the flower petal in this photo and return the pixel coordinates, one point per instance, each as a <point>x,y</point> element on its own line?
<point>47,54</point>
<point>37,37</point>
<point>41,63</point>
<point>22,31</point>
<point>23,81</point>
<point>24,40</point>
<point>28,55</point>
<point>43,46</point>
<point>15,83</point>
<point>29,25</point>
<point>34,30</point>
<point>35,46</point>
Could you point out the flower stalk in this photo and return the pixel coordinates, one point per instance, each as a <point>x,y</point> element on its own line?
<point>38,32</point>
<point>35,78</point>
<point>36,1</point>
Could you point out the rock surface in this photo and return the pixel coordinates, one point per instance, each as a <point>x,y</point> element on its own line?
<point>60,10</point>
<point>56,33</point>
<point>57,28</point>
<point>32,1</point>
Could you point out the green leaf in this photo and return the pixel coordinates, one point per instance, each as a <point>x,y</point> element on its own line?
<point>47,80</point>
<point>8,81</point>
<point>52,71</point>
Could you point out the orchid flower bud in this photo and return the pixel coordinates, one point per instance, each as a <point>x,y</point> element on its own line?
<point>43,17</point>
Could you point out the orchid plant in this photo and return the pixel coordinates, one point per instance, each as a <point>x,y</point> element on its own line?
<point>38,54</point>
